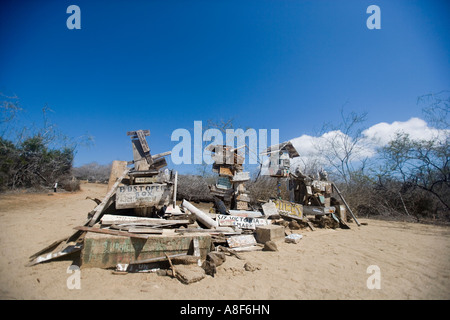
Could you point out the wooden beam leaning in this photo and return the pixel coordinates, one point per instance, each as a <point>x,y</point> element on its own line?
<point>107,200</point>
<point>345,203</point>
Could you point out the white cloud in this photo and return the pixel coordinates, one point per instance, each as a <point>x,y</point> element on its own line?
<point>377,135</point>
<point>381,133</point>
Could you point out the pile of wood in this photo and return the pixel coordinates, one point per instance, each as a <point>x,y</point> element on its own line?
<point>139,227</point>
<point>230,186</point>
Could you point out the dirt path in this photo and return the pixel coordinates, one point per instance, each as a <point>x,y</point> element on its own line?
<point>413,259</point>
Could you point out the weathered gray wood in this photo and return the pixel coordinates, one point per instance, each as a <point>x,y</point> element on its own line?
<point>174,273</point>
<point>159,163</point>
<point>143,141</point>
<point>310,225</point>
<point>111,232</point>
<point>107,200</point>
<point>117,168</point>
<point>175,185</point>
<point>140,162</point>
<point>48,248</point>
<point>144,230</point>
<point>137,229</point>
<point>65,249</point>
<point>133,133</point>
<point>143,195</point>
<point>160,155</point>
<point>157,259</point>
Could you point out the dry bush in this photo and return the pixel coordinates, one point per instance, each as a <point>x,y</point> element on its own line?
<point>265,188</point>
<point>93,172</point>
<point>70,184</point>
<point>193,188</point>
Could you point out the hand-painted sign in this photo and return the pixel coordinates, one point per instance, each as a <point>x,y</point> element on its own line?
<point>143,195</point>
<point>289,209</point>
<point>241,222</point>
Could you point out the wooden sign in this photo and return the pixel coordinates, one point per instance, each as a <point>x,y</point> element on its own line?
<point>289,209</point>
<point>241,176</point>
<point>223,183</point>
<point>145,179</point>
<point>241,222</point>
<point>225,171</point>
<point>143,195</point>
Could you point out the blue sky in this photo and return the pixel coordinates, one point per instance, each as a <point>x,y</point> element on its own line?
<point>161,65</point>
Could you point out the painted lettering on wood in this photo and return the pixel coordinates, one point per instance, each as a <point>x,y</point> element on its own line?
<point>144,195</point>
<point>289,209</point>
<point>241,222</point>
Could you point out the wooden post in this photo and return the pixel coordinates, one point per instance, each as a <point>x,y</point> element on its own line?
<point>175,185</point>
<point>346,205</point>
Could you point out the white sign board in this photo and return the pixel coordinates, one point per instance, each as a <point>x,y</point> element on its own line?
<point>241,222</point>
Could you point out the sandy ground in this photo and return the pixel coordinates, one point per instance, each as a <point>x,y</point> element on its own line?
<point>413,259</point>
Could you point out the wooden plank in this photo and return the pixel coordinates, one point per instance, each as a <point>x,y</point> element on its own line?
<point>151,260</point>
<point>310,225</point>
<point>143,141</point>
<point>109,219</point>
<point>269,209</point>
<point>116,169</point>
<point>248,248</point>
<point>143,173</point>
<point>346,205</point>
<point>246,213</point>
<point>145,180</point>
<point>160,155</point>
<point>158,163</point>
<point>225,171</point>
<point>241,177</point>
<point>144,146</point>
<point>111,232</point>
<point>144,230</point>
<point>140,163</point>
<point>174,273</point>
<point>133,133</point>
<point>52,246</point>
<point>65,250</point>
<point>107,200</point>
